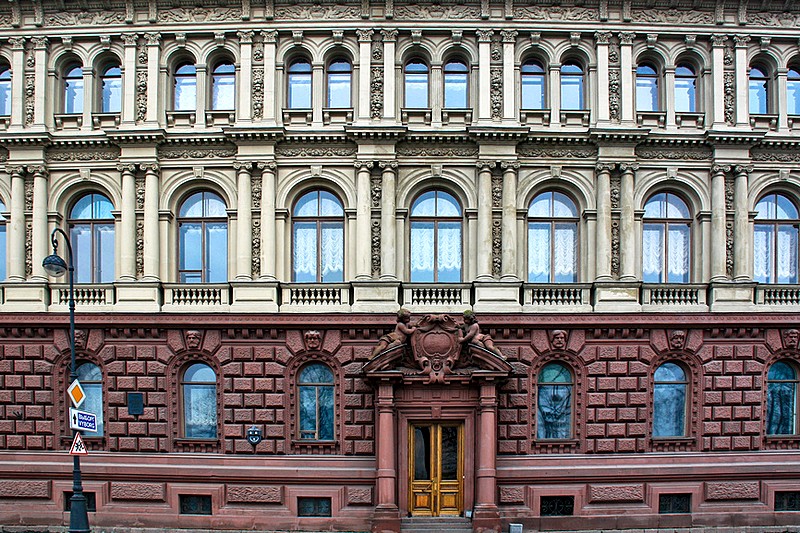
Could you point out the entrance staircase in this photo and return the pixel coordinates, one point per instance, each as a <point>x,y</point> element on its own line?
<point>443,524</point>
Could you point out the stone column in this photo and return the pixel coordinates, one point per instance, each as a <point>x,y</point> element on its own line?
<point>16,225</point>
<point>129,79</point>
<point>627,228</point>
<point>669,90</point>
<point>17,81</point>
<point>244,221</point>
<point>484,244</point>
<point>389,44</point>
<point>783,104</point>
<point>363,220</point>
<point>718,248</point>
<point>41,98</point>
<point>626,77</point>
<point>317,93</point>
<point>127,225</point>
<point>152,239</point>
<point>385,453</point>
<point>202,95</point>
<point>40,239</point>
<point>436,94</point>
<point>88,96</point>
<point>486,477</point>
<point>602,40</point>
<point>555,92</point>
<point>509,38</point>
<point>509,221</point>
<point>244,87</point>
<point>484,74</point>
<point>742,82</point>
<point>718,73</point>
<point>364,73</point>
<point>742,234</point>
<point>603,235</point>
<point>388,223</point>
<point>270,44</point>
<point>268,250</point>
<point>153,53</point>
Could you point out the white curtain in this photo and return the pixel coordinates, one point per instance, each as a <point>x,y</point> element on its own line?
<point>762,253</point>
<point>422,251</point>
<point>538,252</point>
<point>652,252</point>
<point>787,254</point>
<point>678,266</point>
<point>449,257</point>
<point>305,251</point>
<point>566,257</point>
<point>332,252</point>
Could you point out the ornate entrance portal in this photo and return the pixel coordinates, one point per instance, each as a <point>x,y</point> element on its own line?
<point>436,475</point>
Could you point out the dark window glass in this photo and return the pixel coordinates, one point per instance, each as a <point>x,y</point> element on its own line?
<point>646,88</point>
<point>185,88</point>
<point>91,379</point>
<point>552,239</point>
<point>775,240</point>
<point>557,506</point>
<point>759,91</point>
<point>666,240</point>
<point>781,399</point>
<point>194,504</point>
<point>111,89</point>
<point>316,402</point>
<point>788,500</point>
<point>340,74</point>
<point>416,84</point>
<point>455,84</point>
<point>318,238</point>
<point>91,228</point>
<point>313,507</point>
<point>436,239</point>
<point>554,402</point>
<point>199,396</point>
<point>533,85</point>
<point>5,90</point>
<point>674,503</point>
<point>669,401</point>
<point>203,239</point>
<point>572,86</point>
<point>685,89</point>
<point>299,96</point>
<point>223,87</point>
<point>73,89</point>
<point>91,501</point>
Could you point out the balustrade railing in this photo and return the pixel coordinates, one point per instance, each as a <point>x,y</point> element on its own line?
<point>315,294</point>
<point>196,295</point>
<point>85,295</point>
<point>674,295</point>
<point>557,295</point>
<point>778,295</point>
<point>437,294</point>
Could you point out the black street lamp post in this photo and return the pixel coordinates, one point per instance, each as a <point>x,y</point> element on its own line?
<point>56,267</point>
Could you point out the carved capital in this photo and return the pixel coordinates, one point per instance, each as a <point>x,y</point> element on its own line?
<point>365,35</point>
<point>484,36</point>
<point>602,37</point>
<point>243,166</point>
<point>389,36</point>
<point>628,167</point>
<point>604,168</point>
<point>626,38</point>
<point>742,170</point>
<point>245,36</point>
<point>37,170</point>
<point>129,39</point>
<point>509,165</point>
<point>17,43</point>
<point>267,166</point>
<point>270,36</point>
<point>15,170</point>
<point>362,165</point>
<point>485,164</point>
<point>149,168</point>
<point>509,36</point>
<point>40,43</point>
<point>718,41</point>
<point>720,169</point>
<point>153,38</point>
<point>740,41</point>
<point>388,166</point>
<point>126,168</point>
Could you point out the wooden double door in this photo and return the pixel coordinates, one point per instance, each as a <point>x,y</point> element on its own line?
<point>436,468</point>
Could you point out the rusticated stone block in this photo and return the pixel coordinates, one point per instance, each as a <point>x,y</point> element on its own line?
<point>254,494</point>
<point>512,494</point>
<point>138,491</point>
<point>359,495</point>
<point>732,490</point>
<point>24,489</point>
<point>616,493</point>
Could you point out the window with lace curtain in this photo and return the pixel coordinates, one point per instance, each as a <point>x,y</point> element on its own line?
<point>436,238</point>
<point>552,239</point>
<point>91,232</point>
<point>775,240</point>
<point>318,238</point>
<point>554,402</point>
<point>666,239</point>
<point>782,399</point>
<point>670,387</point>
<point>199,399</point>
<point>203,239</point>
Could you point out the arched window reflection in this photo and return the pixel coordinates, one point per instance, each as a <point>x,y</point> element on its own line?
<point>111,89</point>
<point>533,85</point>
<point>416,84</point>
<point>340,74</point>
<point>782,399</point>
<point>299,93</point>
<point>315,387</point>
<point>554,402</point>
<point>203,239</point>
<point>759,91</point>
<point>685,89</point>
<point>223,86</point>
<point>646,88</point>
<point>91,379</point>
<point>456,75</point>
<point>572,86</point>
<point>73,89</point>
<point>669,401</point>
<point>5,90</point>
<point>793,91</point>
<point>185,87</point>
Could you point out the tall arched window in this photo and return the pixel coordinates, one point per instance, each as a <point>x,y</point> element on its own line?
<point>646,88</point>
<point>436,241</point>
<point>111,89</point>
<point>3,241</point>
<point>340,75</point>
<point>782,399</point>
<point>572,86</point>
<point>416,83</point>
<point>203,239</point>
<point>685,88</point>
<point>533,84</point>
<point>199,399</point>
<point>91,231</point>
<point>91,379</point>
<point>185,87</point>
<point>5,90</point>
<point>318,238</point>
<point>299,91</point>
<point>759,90</point>
<point>73,89</point>
<point>223,86</point>
<point>554,402</point>
<point>670,388</point>
<point>666,240</point>
<point>456,76</point>
<point>792,91</point>
<point>552,239</point>
<point>776,240</point>
<point>315,410</point>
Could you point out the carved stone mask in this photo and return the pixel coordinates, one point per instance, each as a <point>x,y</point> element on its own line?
<point>80,338</point>
<point>193,339</point>
<point>791,338</point>
<point>676,339</point>
<point>313,339</point>
<point>558,339</point>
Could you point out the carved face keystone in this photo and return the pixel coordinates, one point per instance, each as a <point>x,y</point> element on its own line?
<point>313,339</point>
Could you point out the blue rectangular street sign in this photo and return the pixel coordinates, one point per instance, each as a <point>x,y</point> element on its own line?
<point>82,420</point>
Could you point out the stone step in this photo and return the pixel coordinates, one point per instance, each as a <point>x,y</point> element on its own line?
<point>436,525</point>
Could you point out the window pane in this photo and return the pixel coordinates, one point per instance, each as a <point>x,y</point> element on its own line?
<point>422,248</point>
<point>223,92</point>
<point>200,373</point>
<point>422,453</point>
<point>571,92</point>
<point>192,207</point>
<point>781,372</point>
<point>216,252</point>
<point>554,412</point>
<point>191,244</point>
<point>73,96</point>
<point>112,95</point>
<point>646,94</point>
<point>416,90</point>
<point>82,208</point>
<point>763,237</point>
<point>305,252</point>
<point>565,263</point>
<point>455,90</point>
<point>555,373</point>
<point>424,205</point>
<point>533,91</point>
<point>563,206</point>
<point>185,94</point>
<point>104,261</point>
<point>669,372</point>
<point>676,208</point>
<point>656,206</point>
<point>307,205</point>
<point>329,205</point>
<point>308,412</point>
<point>299,91</point>
<point>678,246</point>
<point>332,252</point>
<point>540,206</point>
<point>200,411</point>
<point>94,401</point>
<point>81,240</point>
<point>652,253</point>
<point>339,90</point>
<point>213,206</point>
<point>325,412</point>
<point>787,254</point>
<point>669,410</point>
<point>793,96</point>
<point>316,373</point>
<point>446,205</point>
<point>5,97</point>
<point>785,209</point>
<point>2,251</point>
<point>758,97</point>
<point>685,95</point>
<point>539,252</point>
<point>449,254</point>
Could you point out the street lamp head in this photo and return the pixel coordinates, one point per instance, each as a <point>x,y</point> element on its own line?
<point>54,265</point>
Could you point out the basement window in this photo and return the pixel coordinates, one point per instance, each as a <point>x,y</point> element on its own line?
<point>313,507</point>
<point>787,501</point>
<point>674,503</point>
<point>557,505</point>
<point>91,501</point>
<point>194,504</point>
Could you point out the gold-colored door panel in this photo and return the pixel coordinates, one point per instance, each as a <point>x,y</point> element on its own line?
<point>436,469</point>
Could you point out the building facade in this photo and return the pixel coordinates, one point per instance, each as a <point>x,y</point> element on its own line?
<point>253,190</point>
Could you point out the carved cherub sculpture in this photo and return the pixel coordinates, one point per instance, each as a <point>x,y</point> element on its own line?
<point>472,334</point>
<point>399,336</point>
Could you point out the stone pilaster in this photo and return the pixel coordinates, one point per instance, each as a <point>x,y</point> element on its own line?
<point>742,234</point>
<point>388,208</point>
<point>364,69</point>
<point>245,81</point>
<point>363,220</point>
<point>40,245</point>
<point>627,231</point>
<point>268,251</point>
<point>127,234</point>
<point>484,244</point>
<point>626,76</point>
<point>484,74</point>
<point>152,235</point>
<point>129,41</point>
<point>153,58</point>
<point>16,225</point>
<point>509,221</point>
<point>718,74</point>
<point>270,45</point>
<point>603,235</point>
<point>389,45</point>
<point>602,41</point>
<point>718,240</point>
<point>244,221</point>
<point>742,80</point>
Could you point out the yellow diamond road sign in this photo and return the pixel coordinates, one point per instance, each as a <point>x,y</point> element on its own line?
<point>76,394</point>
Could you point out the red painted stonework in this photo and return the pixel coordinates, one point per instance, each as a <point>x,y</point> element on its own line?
<point>121,490</point>
<point>616,493</point>
<point>254,494</point>
<point>13,488</point>
<point>733,490</point>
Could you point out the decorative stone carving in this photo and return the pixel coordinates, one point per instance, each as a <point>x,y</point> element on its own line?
<point>318,12</point>
<point>496,49</point>
<point>784,20</point>
<point>376,188</point>
<point>80,339</point>
<point>555,13</point>
<point>558,339</point>
<point>790,338</point>
<point>85,18</point>
<point>497,93</point>
<point>497,247</point>
<point>509,36</point>
<point>672,16</point>
<point>497,191</point>
<point>699,153</point>
<point>82,154</point>
<point>199,14</point>
<point>140,240</point>
<point>376,247</point>
<point>258,53</point>
<point>141,96</point>
<point>193,339</point>
<point>614,95</point>
<point>376,93</point>
<point>199,152</point>
<point>28,249</point>
<point>613,53</point>
<point>258,93</point>
<point>615,259</point>
<point>603,37</point>
<point>410,148</point>
<point>30,92</point>
<point>556,151</point>
<point>377,51</point>
<point>677,339</point>
<point>729,248</point>
<point>769,153</point>
<point>730,97</point>
<point>312,340</point>
<point>255,191</point>
<point>255,261</point>
<point>28,191</point>
<point>616,184</point>
<point>398,337</point>
<point>289,149</point>
<point>437,12</point>
<point>729,186</point>
<point>139,192</point>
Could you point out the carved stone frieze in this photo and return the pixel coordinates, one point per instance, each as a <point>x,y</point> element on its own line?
<point>497,191</point>
<point>197,152</point>
<point>200,14</point>
<point>437,12</point>
<point>553,150</point>
<point>376,93</point>
<point>85,18</point>
<point>496,49</point>
<point>141,55</point>
<point>258,53</point>
<point>730,98</point>
<point>672,16</point>
<point>290,149</point>
<point>258,93</point>
<point>139,185</point>
<point>376,247</point>
<point>497,247</point>
<point>614,95</point>
<point>140,245</point>
<point>729,193</point>
<point>555,13</point>
<point>376,190</point>
<point>784,20</point>
<point>28,192</point>
<point>255,262</point>
<point>615,260</point>
<point>141,96</point>
<point>765,153</point>
<point>377,51</point>
<point>318,12</point>
<point>255,191</point>
<point>614,193</point>
<point>703,153</point>
<point>729,249</point>
<point>613,53</point>
<point>30,92</point>
<point>81,154</point>
<point>422,149</point>
<point>496,91</point>
<point>28,249</point>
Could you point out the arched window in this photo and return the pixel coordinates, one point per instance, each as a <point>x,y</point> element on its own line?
<point>572,86</point>
<point>416,84</point>
<point>340,75</point>
<point>318,238</point>
<point>5,90</point>
<point>456,75</point>
<point>792,91</point>
<point>299,94</point>
<point>646,88</point>
<point>759,91</point>
<point>2,241</point>
<point>552,239</point>
<point>670,388</point>
<point>73,89</point>
<point>199,399</point>
<point>685,89</point>
<point>203,239</point>
<point>185,88</point>
<point>782,399</point>
<point>666,240</point>
<point>91,379</point>
<point>533,85</point>
<point>111,89</point>
<point>776,240</point>
<point>91,232</point>
<point>223,86</point>
<point>436,241</point>
<point>554,402</point>
<point>315,410</point>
